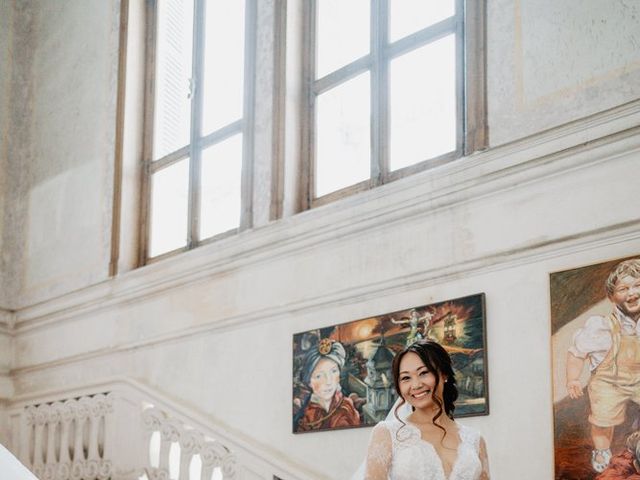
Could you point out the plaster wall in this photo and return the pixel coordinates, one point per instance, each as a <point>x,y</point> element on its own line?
<point>6,15</point>
<point>550,62</point>
<point>61,146</point>
<point>6,362</point>
<point>212,328</point>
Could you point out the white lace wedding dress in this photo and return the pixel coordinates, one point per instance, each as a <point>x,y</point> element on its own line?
<point>398,452</point>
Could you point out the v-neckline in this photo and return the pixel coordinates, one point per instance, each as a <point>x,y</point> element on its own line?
<point>427,442</point>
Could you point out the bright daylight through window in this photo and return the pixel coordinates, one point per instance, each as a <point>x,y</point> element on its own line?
<point>386,91</point>
<point>196,125</point>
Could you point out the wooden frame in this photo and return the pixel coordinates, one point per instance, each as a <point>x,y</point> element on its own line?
<point>197,142</point>
<point>468,25</point>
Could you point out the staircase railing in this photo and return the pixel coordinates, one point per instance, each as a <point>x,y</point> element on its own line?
<point>124,430</point>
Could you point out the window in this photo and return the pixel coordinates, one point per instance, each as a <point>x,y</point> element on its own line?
<point>387,86</point>
<point>197,122</point>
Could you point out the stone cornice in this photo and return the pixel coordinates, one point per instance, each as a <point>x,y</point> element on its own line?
<point>575,146</point>
<point>7,320</point>
<point>607,236</point>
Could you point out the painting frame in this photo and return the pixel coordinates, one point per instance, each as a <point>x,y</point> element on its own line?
<point>362,351</point>
<point>581,299</point>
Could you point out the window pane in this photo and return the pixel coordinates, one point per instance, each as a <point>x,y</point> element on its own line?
<point>173,70</point>
<point>169,206</point>
<point>223,64</point>
<point>343,33</point>
<point>409,16</point>
<point>221,187</point>
<point>423,104</point>
<point>343,146</point>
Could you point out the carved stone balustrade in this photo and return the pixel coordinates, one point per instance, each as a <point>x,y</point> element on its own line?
<point>123,430</point>
<point>89,437</point>
<point>214,460</point>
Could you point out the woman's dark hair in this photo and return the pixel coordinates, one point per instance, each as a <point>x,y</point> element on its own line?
<point>438,361</point>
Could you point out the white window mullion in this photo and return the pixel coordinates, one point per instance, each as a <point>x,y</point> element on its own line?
<point>193,236</point>
<point>310,97</point>
<point>247,187</point>
<point>379,92</point>
<point>460,76</point>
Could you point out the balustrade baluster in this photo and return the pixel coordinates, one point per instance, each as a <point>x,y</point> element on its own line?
<point>185,462</point>
<point>94,426</point>
<point>52,419</point>
<point>38,454</point>
<point>27,436</point>
<point>78,448</point>
<point>165,449</point>
<point>66,416</point>
<point>108,423</point>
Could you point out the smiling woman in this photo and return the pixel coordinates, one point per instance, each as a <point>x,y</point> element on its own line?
<point>420,438</point>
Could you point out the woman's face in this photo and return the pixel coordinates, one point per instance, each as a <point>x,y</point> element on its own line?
<point>325,378</point>
<point>417,383</point>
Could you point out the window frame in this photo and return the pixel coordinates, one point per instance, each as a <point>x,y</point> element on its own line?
<point>197,141</point>
<point>468,25</point>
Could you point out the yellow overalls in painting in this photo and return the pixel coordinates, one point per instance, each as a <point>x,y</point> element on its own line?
<point>616,380</point>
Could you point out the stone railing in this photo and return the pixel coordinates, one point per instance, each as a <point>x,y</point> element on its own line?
<point>124,430</point>
<point>75,439</point>
<point>68,440</point>
<point>177,451</point>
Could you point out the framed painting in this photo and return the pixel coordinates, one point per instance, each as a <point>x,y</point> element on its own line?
<point>596,370</point>
<point>342,374</point>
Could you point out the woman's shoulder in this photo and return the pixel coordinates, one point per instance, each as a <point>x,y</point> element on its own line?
<point>469,434</point>
<point>387,427</point>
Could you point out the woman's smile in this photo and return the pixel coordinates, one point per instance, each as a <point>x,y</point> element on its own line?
<point>421,394</point>
<point>417,383</point>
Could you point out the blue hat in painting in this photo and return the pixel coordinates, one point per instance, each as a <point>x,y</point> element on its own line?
<point>326,348</point>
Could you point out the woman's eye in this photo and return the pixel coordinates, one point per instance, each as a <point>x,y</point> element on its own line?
<point>423,373</point>
<point>403,379</point>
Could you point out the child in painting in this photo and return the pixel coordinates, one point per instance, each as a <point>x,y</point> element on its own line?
<point>625,465</point>
<point>611,344</point>
<point>326,407</point>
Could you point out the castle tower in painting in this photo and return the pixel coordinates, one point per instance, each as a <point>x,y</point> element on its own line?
<point>380,390</point>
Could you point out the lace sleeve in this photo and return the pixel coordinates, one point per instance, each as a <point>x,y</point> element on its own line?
<point>484,460</point>
<point>379,454</point>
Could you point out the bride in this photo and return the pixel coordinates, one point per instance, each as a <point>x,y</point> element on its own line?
<point>11,468</point>
<point>421,439</point>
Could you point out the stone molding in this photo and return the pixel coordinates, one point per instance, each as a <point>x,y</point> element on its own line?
<point>578,145</point>
<point>7,320</point>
